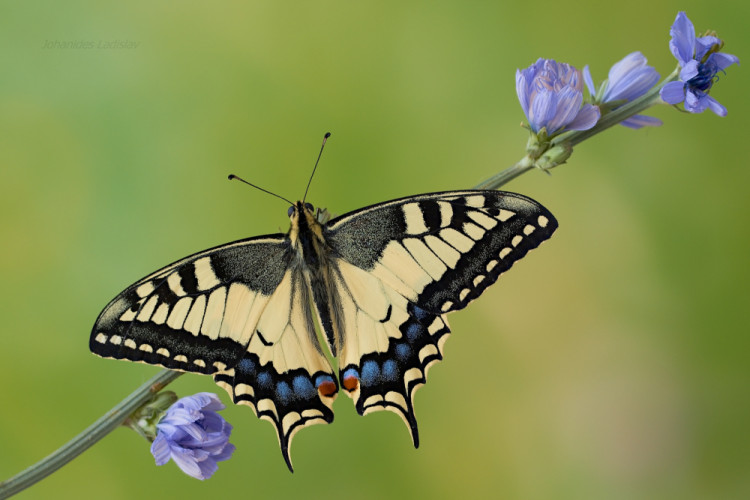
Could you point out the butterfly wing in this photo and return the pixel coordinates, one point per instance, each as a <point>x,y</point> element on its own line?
<point>238,312</point>
<point>402,266</point>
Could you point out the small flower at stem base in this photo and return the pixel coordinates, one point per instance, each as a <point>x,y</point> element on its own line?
<point>700,61</point>
<point>193,435</point>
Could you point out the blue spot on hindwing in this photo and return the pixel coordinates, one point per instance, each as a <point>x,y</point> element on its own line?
<point>246,366</point>
<point>303,388</point>
<point>264,380</point>
<point>370,372</point>
<point>351,372</point>
<point>390,370</point>
<point>419,313</point>
<point>413,331</point>
<point>320,379</point>
<point>403,351</point>
<point>283,392</point>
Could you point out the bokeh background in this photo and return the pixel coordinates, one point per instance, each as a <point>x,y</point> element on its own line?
<point>610,363</point>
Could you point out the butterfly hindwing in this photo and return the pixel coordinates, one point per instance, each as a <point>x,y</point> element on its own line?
<point>389,345</point>
<point>284,375</point>
<point>422,256</point>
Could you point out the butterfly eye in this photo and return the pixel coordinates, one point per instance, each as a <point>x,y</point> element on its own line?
<point>309,206</point>
<point>290,211</point>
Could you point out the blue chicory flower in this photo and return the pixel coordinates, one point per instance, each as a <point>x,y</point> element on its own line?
<point>551,96</point>
<point>628,79</point>
<point>193,435</point>
<point>700,61</point>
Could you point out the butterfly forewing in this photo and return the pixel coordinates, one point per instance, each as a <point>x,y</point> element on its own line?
<point>197,314</point>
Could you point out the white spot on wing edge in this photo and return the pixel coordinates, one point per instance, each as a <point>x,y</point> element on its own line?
<point>528,229</point>
<point>412,374</point>
<point>312,413</point>
<point>426,351</point>
<point>516,240</point>
<point>268,406</point>
<point>244,389</point>
<point>396,398</point>
<point>290,419</point>
<point>543,221</point>
<point>101,338</point>
<point>435,326</point>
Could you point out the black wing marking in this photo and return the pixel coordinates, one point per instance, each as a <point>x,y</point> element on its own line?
<point>420,258</point>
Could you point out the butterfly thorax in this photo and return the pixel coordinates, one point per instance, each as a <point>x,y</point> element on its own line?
<point>313,254</point>
<point>306,236</point>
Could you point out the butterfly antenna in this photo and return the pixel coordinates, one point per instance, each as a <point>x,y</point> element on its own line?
<point>325,138</point>
<point>232,176</point>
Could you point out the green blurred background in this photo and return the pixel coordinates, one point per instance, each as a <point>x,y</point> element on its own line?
<point>611,363</point>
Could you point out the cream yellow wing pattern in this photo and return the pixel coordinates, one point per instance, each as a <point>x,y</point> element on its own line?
<point>401,266</point>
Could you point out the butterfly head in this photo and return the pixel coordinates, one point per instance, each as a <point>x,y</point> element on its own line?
<point>300,207</point>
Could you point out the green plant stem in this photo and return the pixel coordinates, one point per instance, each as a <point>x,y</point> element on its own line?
<point>106,424</point>
<point>522,166</point>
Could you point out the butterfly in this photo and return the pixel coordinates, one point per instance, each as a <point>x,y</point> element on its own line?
<point>380,281</point>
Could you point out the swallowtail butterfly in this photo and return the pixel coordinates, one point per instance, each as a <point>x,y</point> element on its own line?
<point>380,280</point>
